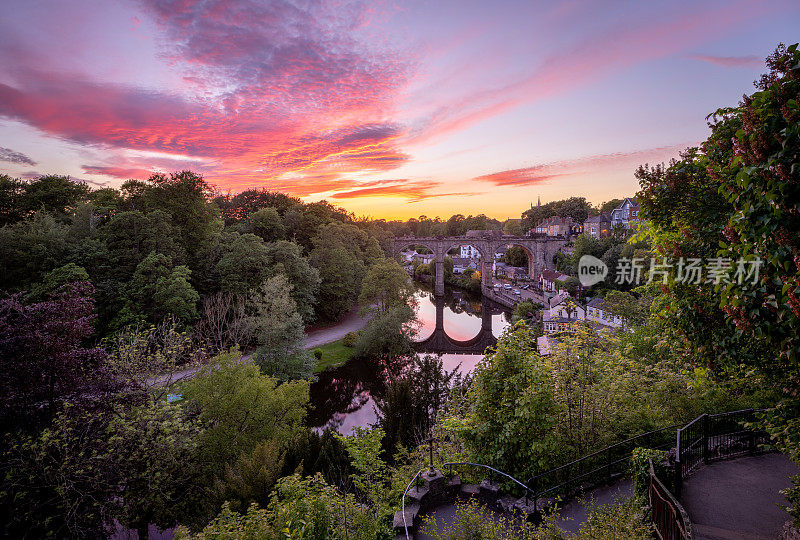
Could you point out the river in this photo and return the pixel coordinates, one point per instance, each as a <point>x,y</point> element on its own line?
<point>342,397</point>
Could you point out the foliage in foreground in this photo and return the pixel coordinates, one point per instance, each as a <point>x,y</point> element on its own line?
<point>298,508</point>
<point>604,522</point>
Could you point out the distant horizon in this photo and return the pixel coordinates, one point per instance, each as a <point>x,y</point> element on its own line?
<point>389,111</point>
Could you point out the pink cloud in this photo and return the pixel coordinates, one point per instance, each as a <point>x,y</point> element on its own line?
<point>730,61</point>
<point>277,90</point>
<point>543,173</point>
<point>414,191</point>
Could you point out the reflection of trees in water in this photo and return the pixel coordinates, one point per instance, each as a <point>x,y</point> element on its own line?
<point>459,301</point>
<point>346,389</point>
<point>407,410</point>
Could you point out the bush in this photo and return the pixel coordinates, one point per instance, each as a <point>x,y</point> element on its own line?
<point>318,354</point>
<point>349,339</point>
<point>640,468</point>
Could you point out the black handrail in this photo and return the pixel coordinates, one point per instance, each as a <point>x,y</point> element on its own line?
<point>711,437</point>
<point>608,464</point>
<point>670,520</point>
<point>450,464</point>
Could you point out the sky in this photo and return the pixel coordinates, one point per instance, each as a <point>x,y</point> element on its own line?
<point>388,109</point>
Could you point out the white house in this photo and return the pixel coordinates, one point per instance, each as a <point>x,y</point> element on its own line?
<point>469,252</point>
<point>596,311</point>
<point>460,264</point>
<point>627,213</point>
<point>565,312</point>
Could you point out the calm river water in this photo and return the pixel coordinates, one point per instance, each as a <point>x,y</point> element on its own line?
<point>342,398</point>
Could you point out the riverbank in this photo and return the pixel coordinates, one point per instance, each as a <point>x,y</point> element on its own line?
<point>334,354</point>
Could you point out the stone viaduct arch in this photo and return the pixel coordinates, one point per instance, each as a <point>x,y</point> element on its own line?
<point>540,251</point>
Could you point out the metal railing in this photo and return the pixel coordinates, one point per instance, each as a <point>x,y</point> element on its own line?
<point>670,520</point>
<point>711,437</point>
<point>596,468</point>
<point>405,525</point>
<point>450,465</point>
<point>707,438</point>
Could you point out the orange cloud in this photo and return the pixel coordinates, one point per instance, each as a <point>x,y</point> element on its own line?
<point>414,191</point>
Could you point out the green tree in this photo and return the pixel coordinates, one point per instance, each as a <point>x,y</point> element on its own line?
<point>132,236</point>
<point>341,253</point>
<point>387,335</point>
<point>11,190</point>
<point>608,206</point>
<point>69,273</point>
<point>278,330</point>
<point>267,224</point>
<point>286,258</point>
<point>241,407</point>
<point>513,411</point>
<point>29,249</point>
<point>53,194</point>
<point>152,451</point>
<point>245,263</point>
<point>516,256</point>
<point>159,289</point>
<point>385,285</point>
<point>185,197</point>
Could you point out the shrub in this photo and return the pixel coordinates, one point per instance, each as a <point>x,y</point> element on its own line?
<point>640,468</point>
<point>349,339</point>
<point>318,354</point>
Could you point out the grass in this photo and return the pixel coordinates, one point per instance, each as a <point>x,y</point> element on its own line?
<point>333,355</point>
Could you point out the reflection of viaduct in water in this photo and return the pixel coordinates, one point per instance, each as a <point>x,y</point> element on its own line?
<point>440,342</point>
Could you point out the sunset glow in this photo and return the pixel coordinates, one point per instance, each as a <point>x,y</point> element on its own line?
<point>387,109</point>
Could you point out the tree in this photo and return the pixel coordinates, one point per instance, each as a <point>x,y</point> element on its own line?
<point>11,190</point>
<point>52,193</point>
<point>286,258</point>
<point>513,412</point>
<point>278,331</point>
<point>267,224</point>
<point>608,206</point>
<point>132,236</point>
<point>42,354</point>
<point>245,263</point>
<point>298,508</point>
<point>341,253</point>
<point>146,356</point>
<point>513,227</point>
<point>29,249</point>
<point>516,256</point>
<point>185,197</point>
<point>575,207</point>
<point>387,335</point>
<point>241,407</point>
<point>69,273</point>
<point>158,289</point>
<point>386,285</point>
<point>151,450</point>
<point>56,483</point>
<point>223,321</point>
